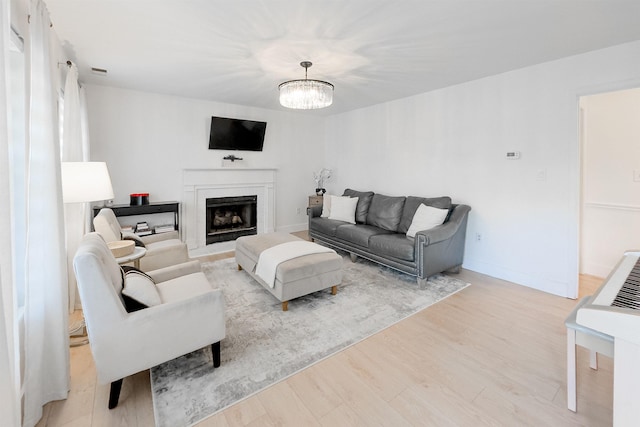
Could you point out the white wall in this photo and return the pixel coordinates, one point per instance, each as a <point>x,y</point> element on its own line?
<point>611,193</point>
<point>453,142</point>
<point>148,139</point>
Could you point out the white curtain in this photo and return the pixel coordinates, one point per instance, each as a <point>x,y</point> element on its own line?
<point>46,346</point>
<point>9,376</point>
<point>86,154</point>
<point>73,151</point>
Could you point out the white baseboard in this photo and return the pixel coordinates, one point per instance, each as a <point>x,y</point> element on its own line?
<point>292,228</point>
<point>555,287</point>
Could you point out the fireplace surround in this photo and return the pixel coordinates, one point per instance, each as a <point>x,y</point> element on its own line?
<point>202,184</point>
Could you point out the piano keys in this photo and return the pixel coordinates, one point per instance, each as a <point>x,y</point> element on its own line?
<point>615,310</point>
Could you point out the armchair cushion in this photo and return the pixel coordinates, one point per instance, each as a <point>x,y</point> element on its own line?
<point>183,287</point>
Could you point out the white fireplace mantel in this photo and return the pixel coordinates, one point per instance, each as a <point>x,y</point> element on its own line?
<point>201,184</point>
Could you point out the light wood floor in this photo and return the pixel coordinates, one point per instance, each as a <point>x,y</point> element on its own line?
<point>493,354</point>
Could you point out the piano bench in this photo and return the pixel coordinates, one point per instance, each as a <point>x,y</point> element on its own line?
<point>596,342</point>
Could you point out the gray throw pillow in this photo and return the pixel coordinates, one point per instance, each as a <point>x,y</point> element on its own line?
<point>385,212</point>
<point>412,204</point>
<point>364,201</point>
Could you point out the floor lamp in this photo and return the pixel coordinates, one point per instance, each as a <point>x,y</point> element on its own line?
<point>83,182</point>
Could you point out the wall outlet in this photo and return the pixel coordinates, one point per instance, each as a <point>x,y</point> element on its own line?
<point>299,211</point>
<point>478,237</point>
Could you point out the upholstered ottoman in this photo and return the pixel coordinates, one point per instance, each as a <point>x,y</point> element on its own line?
<point>294,277</point>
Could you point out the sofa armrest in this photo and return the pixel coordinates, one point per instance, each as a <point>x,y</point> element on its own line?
<point>173,271</point>
<point>314,211</point>
<point>442,248</point>
<point>445,231</point>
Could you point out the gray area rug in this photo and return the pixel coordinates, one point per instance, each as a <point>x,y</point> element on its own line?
<point>264,345</point>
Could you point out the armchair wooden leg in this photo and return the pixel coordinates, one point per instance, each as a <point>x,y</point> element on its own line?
<point>215,352</point>
<point>114,393</point>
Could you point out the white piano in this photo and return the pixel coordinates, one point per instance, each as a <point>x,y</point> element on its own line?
<point>615,310</point>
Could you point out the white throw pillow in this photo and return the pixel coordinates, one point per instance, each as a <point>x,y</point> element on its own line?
<point>140,287</point>
<point>426,217</point>
<point>343,208</point>
<point>326,206</point>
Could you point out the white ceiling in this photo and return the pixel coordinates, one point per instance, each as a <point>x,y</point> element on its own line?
<point>238,51</point>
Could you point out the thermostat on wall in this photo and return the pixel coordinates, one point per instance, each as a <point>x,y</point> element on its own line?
<point>513,155</point>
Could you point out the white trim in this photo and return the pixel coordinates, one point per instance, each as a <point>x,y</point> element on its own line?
<point>615,206</point>
<point>200,184</point>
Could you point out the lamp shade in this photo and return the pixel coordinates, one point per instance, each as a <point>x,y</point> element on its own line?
<point>85,182</point>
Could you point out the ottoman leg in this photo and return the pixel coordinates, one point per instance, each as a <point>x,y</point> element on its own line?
<point>334,290</point>
<point>239,267</point>
<point>285,305</point>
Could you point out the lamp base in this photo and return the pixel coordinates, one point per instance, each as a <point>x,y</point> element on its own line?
<point>78,332</point>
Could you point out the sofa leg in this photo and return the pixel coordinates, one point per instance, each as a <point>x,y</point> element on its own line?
<point>353,257</point>
<point>114,393</point>
<point>334,289</point>
<point>239,267</point>
<point>455,270</point>
<point>285,305</point>
<point>215,353</point>
<point>422,283</point>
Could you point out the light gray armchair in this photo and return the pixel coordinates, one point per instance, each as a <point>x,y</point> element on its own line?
<point>187,314</point>
<point>162,249</point>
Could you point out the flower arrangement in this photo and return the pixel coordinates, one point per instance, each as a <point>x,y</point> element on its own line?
<point>320,177</point>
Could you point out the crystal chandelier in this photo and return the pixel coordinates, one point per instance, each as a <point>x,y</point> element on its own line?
<point>306,94</point>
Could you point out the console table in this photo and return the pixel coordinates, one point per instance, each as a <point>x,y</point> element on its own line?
<point>151,208</point>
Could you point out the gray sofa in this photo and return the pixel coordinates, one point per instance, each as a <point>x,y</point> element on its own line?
<point>379,233</point>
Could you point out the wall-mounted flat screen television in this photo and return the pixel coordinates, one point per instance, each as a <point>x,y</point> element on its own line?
<point>236,134</point>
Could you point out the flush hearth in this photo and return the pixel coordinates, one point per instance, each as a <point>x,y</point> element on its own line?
<point>230,217</point>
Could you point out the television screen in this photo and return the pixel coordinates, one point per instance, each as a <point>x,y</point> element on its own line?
<point>236,134</point>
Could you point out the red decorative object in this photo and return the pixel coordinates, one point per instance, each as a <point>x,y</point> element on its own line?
<point>138,199</point>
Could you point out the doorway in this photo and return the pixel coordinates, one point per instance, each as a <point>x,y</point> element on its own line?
<point>610,179</point>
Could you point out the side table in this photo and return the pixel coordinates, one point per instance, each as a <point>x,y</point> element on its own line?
<point>315,201</point>
<point>138,252</point>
